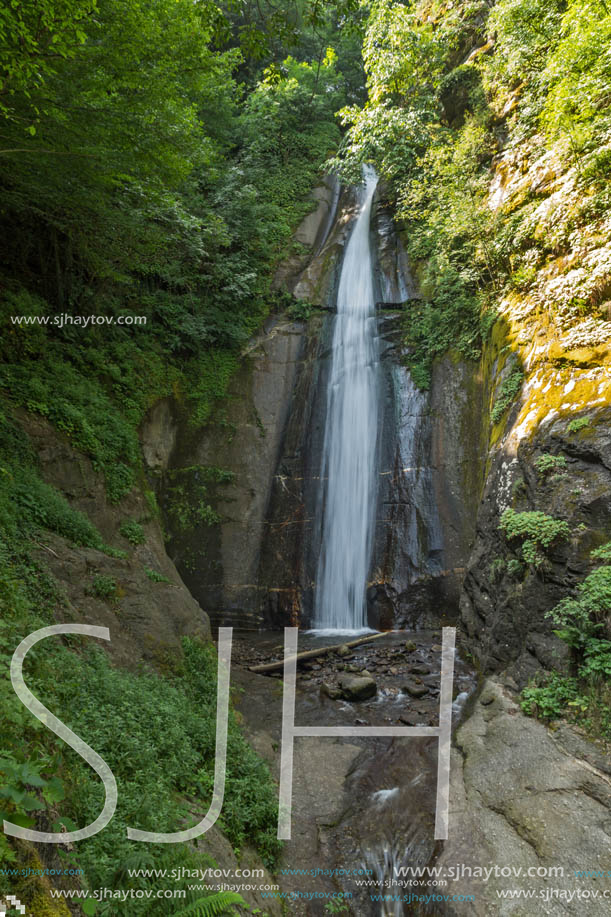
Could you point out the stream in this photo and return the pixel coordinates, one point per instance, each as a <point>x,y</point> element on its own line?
<point>384,793</point>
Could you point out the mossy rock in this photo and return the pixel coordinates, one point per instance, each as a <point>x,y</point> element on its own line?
<point>34,891</point>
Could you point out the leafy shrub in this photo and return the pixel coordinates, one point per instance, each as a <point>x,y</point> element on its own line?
<point>579,620</point>
<point>602,553</point>
<point>547,463</point>
<point>78,406</point>
<point>28,504</point>
<point>515,568</point>
<point>187,496</point>
<point>550,699</point>
<point>580,423</point>
<point>104,587</point>
<point>300,311</point>
<point>133,531</point>
<point>536,530</point>
<point>155,576</point>
<point>581,617</point>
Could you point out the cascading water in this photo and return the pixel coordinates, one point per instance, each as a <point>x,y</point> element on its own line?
<point>350,442</point>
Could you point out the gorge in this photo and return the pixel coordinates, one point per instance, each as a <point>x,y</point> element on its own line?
<point>305,317</point>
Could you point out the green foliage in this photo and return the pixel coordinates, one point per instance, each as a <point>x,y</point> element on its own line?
<point>77,406</point>
<point>526,30</point>
<point>510,387</point>
<point>187,492</point>
<point>336,905</point>
<point>35,35</point>
<point>580,423</point>
<point>579,620</point>
<point>155,576</point>
<point>104,587</point>
<point>27,504</point>
<point>515,568</point>
<point>546,464</point>
<point>579,78</point>
<point>133,531</point>
<point>217,904</point>
<point>142,725</point>
<point>550,699</point>
<point>24,791</point>
<point>300,311</point>
<point>426,128</point>
<point>603,553</point>
<point>536,531</point>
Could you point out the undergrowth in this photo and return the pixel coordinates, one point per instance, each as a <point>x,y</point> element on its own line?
<point>156,733</point>
<point>582,623</point>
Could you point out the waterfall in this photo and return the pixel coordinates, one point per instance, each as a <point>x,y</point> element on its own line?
<point>349,459</point>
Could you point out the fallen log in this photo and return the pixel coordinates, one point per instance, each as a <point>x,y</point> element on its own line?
<point>313,654</point>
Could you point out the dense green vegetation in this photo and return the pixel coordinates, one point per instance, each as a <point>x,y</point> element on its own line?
<point>448,87</point>
<point>535,531</point>
<point>156,733</point>
<point>153,164</point>
<point>155,159</point>
<point>582,624</point>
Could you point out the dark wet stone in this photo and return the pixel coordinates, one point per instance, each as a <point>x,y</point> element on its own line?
<point>415,690</point>
<point>357,687</point>
<point>410,719</point>
<point>331,691</point>
<point>420,670</point>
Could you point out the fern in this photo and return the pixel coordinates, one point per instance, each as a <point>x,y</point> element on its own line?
<point>213,906</point>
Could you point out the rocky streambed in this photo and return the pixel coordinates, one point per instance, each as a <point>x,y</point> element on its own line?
<point>361,806</point>
<point>523,798</point>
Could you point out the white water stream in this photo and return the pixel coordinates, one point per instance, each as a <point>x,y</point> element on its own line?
<point>350,448</point>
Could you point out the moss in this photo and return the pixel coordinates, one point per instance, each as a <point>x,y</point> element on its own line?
<point>34,890</point>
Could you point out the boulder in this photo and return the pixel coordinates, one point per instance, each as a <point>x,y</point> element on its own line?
<point>357,687</point>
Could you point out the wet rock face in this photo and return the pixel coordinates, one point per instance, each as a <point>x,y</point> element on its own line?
<point>312,232</point>
<point>459,450</point>
<point>158,434</point>
<point>220,561</point>
<point>408,544</point>
<point>146,616</point>
<point>317,283</point>
<point>504,607</point>
<point>393,280</point>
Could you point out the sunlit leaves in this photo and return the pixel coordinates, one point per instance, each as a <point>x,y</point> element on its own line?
<point>36,35</point>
